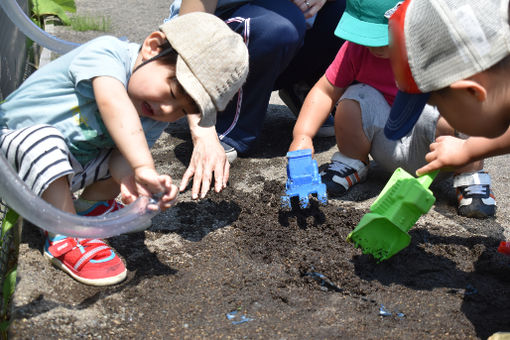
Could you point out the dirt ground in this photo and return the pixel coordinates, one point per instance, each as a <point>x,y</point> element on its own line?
<point>236,265</point>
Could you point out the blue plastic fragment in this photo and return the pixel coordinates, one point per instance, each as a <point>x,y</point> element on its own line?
<point>324,281</point>
<point>244,319</point>
<point>241,319</point>
<point>383,311</point>
<point>231,315</point>
<point>303,179</point>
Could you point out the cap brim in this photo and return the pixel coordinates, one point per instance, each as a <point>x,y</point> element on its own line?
<point>404,113</point>
<point>361,32</point>
<point>196,91</point>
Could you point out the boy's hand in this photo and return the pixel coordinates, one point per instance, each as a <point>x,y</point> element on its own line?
<point>147,182</point>
<point>301,142</point>
<point>208,157</point>
<point>446,153</point>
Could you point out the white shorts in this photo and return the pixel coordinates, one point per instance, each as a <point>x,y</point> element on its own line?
<point>39,154</point>
<point>409,151</point>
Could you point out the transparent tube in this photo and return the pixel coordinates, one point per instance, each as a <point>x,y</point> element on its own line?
<point>18,196</point>
<point>31,30</point>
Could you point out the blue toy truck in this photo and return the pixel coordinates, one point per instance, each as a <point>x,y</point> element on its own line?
<point>303,179</point>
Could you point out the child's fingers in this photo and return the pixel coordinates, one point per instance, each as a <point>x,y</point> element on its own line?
<point>428,168</point>
<point>166,182</point>
<point>127,196</point>
<point>170,198</point>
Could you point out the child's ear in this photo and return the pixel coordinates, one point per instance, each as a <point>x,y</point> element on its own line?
<point>151,45</point>
<point>473,87</point>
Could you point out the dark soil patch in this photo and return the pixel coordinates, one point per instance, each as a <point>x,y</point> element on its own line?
<point>290,273</point>
<point>270,267</point>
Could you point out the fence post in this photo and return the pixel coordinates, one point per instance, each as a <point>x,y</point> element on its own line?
<point>13,53</point>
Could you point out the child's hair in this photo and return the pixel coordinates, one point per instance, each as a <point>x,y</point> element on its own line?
<point>167,56</point>
<point>171,57</point>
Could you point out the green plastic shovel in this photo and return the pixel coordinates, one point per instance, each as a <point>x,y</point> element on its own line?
<point>383,231</point>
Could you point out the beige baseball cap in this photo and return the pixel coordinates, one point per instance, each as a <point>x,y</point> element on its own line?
<point>212,62</point>
<point>434,43</point>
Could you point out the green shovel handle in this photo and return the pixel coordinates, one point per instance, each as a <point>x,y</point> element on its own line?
<point>426,179</point>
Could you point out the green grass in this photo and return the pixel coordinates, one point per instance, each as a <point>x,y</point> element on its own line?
<point>89,23</point>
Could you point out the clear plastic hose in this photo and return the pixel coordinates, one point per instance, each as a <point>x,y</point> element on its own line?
<point>18,196</point>
<point>31,30</point>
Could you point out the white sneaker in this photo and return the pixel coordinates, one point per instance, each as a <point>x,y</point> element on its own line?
<point>342,173</point>
<point>474,195</point>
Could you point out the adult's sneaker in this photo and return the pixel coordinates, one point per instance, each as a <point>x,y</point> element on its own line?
<point>342,173</point>
<point>294,95</point>
<point>474,195</point>
<point>229,151</point>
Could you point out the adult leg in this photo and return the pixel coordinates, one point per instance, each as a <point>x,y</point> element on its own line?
<point>273,31</point>
<point>319,49</point>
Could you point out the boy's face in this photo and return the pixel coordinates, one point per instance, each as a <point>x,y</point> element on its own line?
<point>468,109</point>
<point>156,93</point>
<point>153,87</point>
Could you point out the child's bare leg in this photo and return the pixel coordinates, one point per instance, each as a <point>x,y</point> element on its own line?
<point>350,137</point>
<point>101,191</point>
<point>58,195</point>
<point>98,198</point>
<point>349,165</point>
<point>445,129</point>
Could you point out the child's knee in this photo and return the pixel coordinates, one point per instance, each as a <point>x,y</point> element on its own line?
<point>348,114</point>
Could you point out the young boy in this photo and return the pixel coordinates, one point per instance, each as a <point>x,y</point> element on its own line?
<point>87,120</point>
<point>464,70</point>
<point>461,64</point>
<point>360,80</point>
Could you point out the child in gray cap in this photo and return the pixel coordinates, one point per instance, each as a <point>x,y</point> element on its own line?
<point>87,121</point>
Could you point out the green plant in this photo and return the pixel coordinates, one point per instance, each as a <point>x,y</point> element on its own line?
<point>43,8</point>
<point>89,23</point>
<point>9,250</point>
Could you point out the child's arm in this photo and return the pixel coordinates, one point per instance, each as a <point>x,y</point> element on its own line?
<point>317,105</point>
<point>123,123</point>
<point>449,152</point>
<point>130,189</point>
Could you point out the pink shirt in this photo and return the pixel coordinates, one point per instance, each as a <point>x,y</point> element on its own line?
<point>355,64</point>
